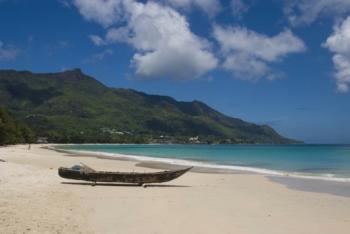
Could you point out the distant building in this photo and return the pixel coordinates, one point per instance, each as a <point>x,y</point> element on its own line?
<point>194,140</point>
<point>112,131</point>
<point>42,140</point>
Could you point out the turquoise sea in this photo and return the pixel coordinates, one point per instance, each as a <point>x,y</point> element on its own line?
<point>330,162</point>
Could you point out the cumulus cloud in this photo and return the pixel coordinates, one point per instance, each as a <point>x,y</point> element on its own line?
<point>8,52</point>
<point>245,66</point>
<point>307,11</point>
<point>339,44</point>
<point>105,12</point>
<point>164,43</point>
<point>211,7</point>
<point>248,54</point>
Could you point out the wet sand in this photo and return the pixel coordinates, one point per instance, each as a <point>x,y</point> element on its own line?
<point>312,185</point>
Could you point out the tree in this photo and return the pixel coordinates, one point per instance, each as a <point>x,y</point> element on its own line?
<point>12,132</point>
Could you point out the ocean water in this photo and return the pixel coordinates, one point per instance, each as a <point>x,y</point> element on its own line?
<point>330,162</point>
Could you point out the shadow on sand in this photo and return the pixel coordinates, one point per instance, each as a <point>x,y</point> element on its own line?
<point>127,185</point>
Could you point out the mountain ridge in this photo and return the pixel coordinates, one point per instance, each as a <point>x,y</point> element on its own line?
<point>70,106</point>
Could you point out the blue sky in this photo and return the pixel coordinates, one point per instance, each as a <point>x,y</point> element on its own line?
<point>282,63</point>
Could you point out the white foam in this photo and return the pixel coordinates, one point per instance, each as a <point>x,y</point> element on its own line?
<point>181,162</point>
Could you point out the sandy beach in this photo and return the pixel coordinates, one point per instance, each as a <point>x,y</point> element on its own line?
<point>34,199</point>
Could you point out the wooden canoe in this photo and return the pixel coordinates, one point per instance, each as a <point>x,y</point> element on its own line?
<point>88,174</point>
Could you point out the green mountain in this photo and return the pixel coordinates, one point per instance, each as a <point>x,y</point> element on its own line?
<point>73,107</point>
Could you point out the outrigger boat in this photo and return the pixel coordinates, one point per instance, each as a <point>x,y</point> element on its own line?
<point>86,173</point>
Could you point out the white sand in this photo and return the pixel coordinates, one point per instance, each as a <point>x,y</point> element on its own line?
<point>33,199</point>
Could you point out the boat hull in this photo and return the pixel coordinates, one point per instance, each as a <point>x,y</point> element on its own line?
<point>120,177</point>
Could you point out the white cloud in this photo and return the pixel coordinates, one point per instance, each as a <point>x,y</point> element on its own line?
<point>259,45</point>
<point>307,11</point>
<point>339,44</point>
<point>245,66</point>
<point>99,56</point>
<point>121,34</point>
<point>8,52</point>
<point>164,43</point>
<point>64,3</point>
<point>105,12</point>
<point>211,7</point>
<point>248,53</point>
<point>97,40</point>
<point>239,7</point>
<point>181,64</point>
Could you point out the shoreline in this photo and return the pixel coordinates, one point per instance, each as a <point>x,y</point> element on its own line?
<point>193,203</point>
<point>199,166</point>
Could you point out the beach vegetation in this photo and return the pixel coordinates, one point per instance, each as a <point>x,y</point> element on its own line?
<point>14,132</point>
